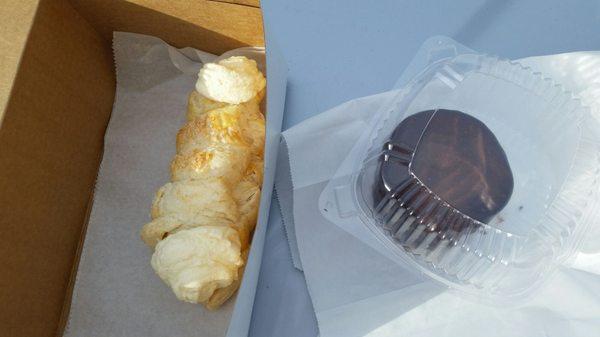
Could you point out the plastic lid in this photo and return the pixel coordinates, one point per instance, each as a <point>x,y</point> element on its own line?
<point>479,172</point>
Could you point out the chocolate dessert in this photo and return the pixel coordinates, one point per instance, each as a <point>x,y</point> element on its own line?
<point>441,172</point>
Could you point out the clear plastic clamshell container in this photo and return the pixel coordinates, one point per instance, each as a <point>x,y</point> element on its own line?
<point>479,172</point>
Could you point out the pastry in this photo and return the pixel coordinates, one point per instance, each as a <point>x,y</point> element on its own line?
<point>254,172</point>
<point>221,295</point>
<point>247,197</point>
<point>195,262</point>
<point>227,163</point>
<point>203,219</point>
<point>187,199</point>
<point>224,126</point>
<point>161,227</point>
<point>198,104</point>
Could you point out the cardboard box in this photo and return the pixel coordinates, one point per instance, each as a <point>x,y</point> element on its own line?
<point>57,86</point>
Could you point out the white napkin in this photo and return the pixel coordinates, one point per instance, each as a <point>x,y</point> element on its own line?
<point>357,291</point>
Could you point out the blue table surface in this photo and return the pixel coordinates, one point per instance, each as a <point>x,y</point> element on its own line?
<point>340,50</point>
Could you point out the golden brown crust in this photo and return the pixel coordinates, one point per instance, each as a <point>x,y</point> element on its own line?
<point>225,162</point>
<point>254,131</point>
<point>158,229</point>
<point>161,227</point>
<point>259,97</point>
<point>198,104</point>
<point>221,295</point>
<point>247,197</point>
<point>232,125</point>
<point>222,126</point>
<point>254,172</point>
<point>194,200</point>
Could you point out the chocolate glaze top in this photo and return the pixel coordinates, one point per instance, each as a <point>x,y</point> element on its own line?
<point>456,157</point>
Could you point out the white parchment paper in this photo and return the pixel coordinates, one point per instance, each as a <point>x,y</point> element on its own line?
<point>357,291</point>
<point>116,291</point>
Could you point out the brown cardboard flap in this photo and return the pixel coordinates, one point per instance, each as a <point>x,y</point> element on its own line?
<point>251,3</point>
<point>56,93</point>
<point>207,25</point>
<point>50,142</point>
<point>16,16</point>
